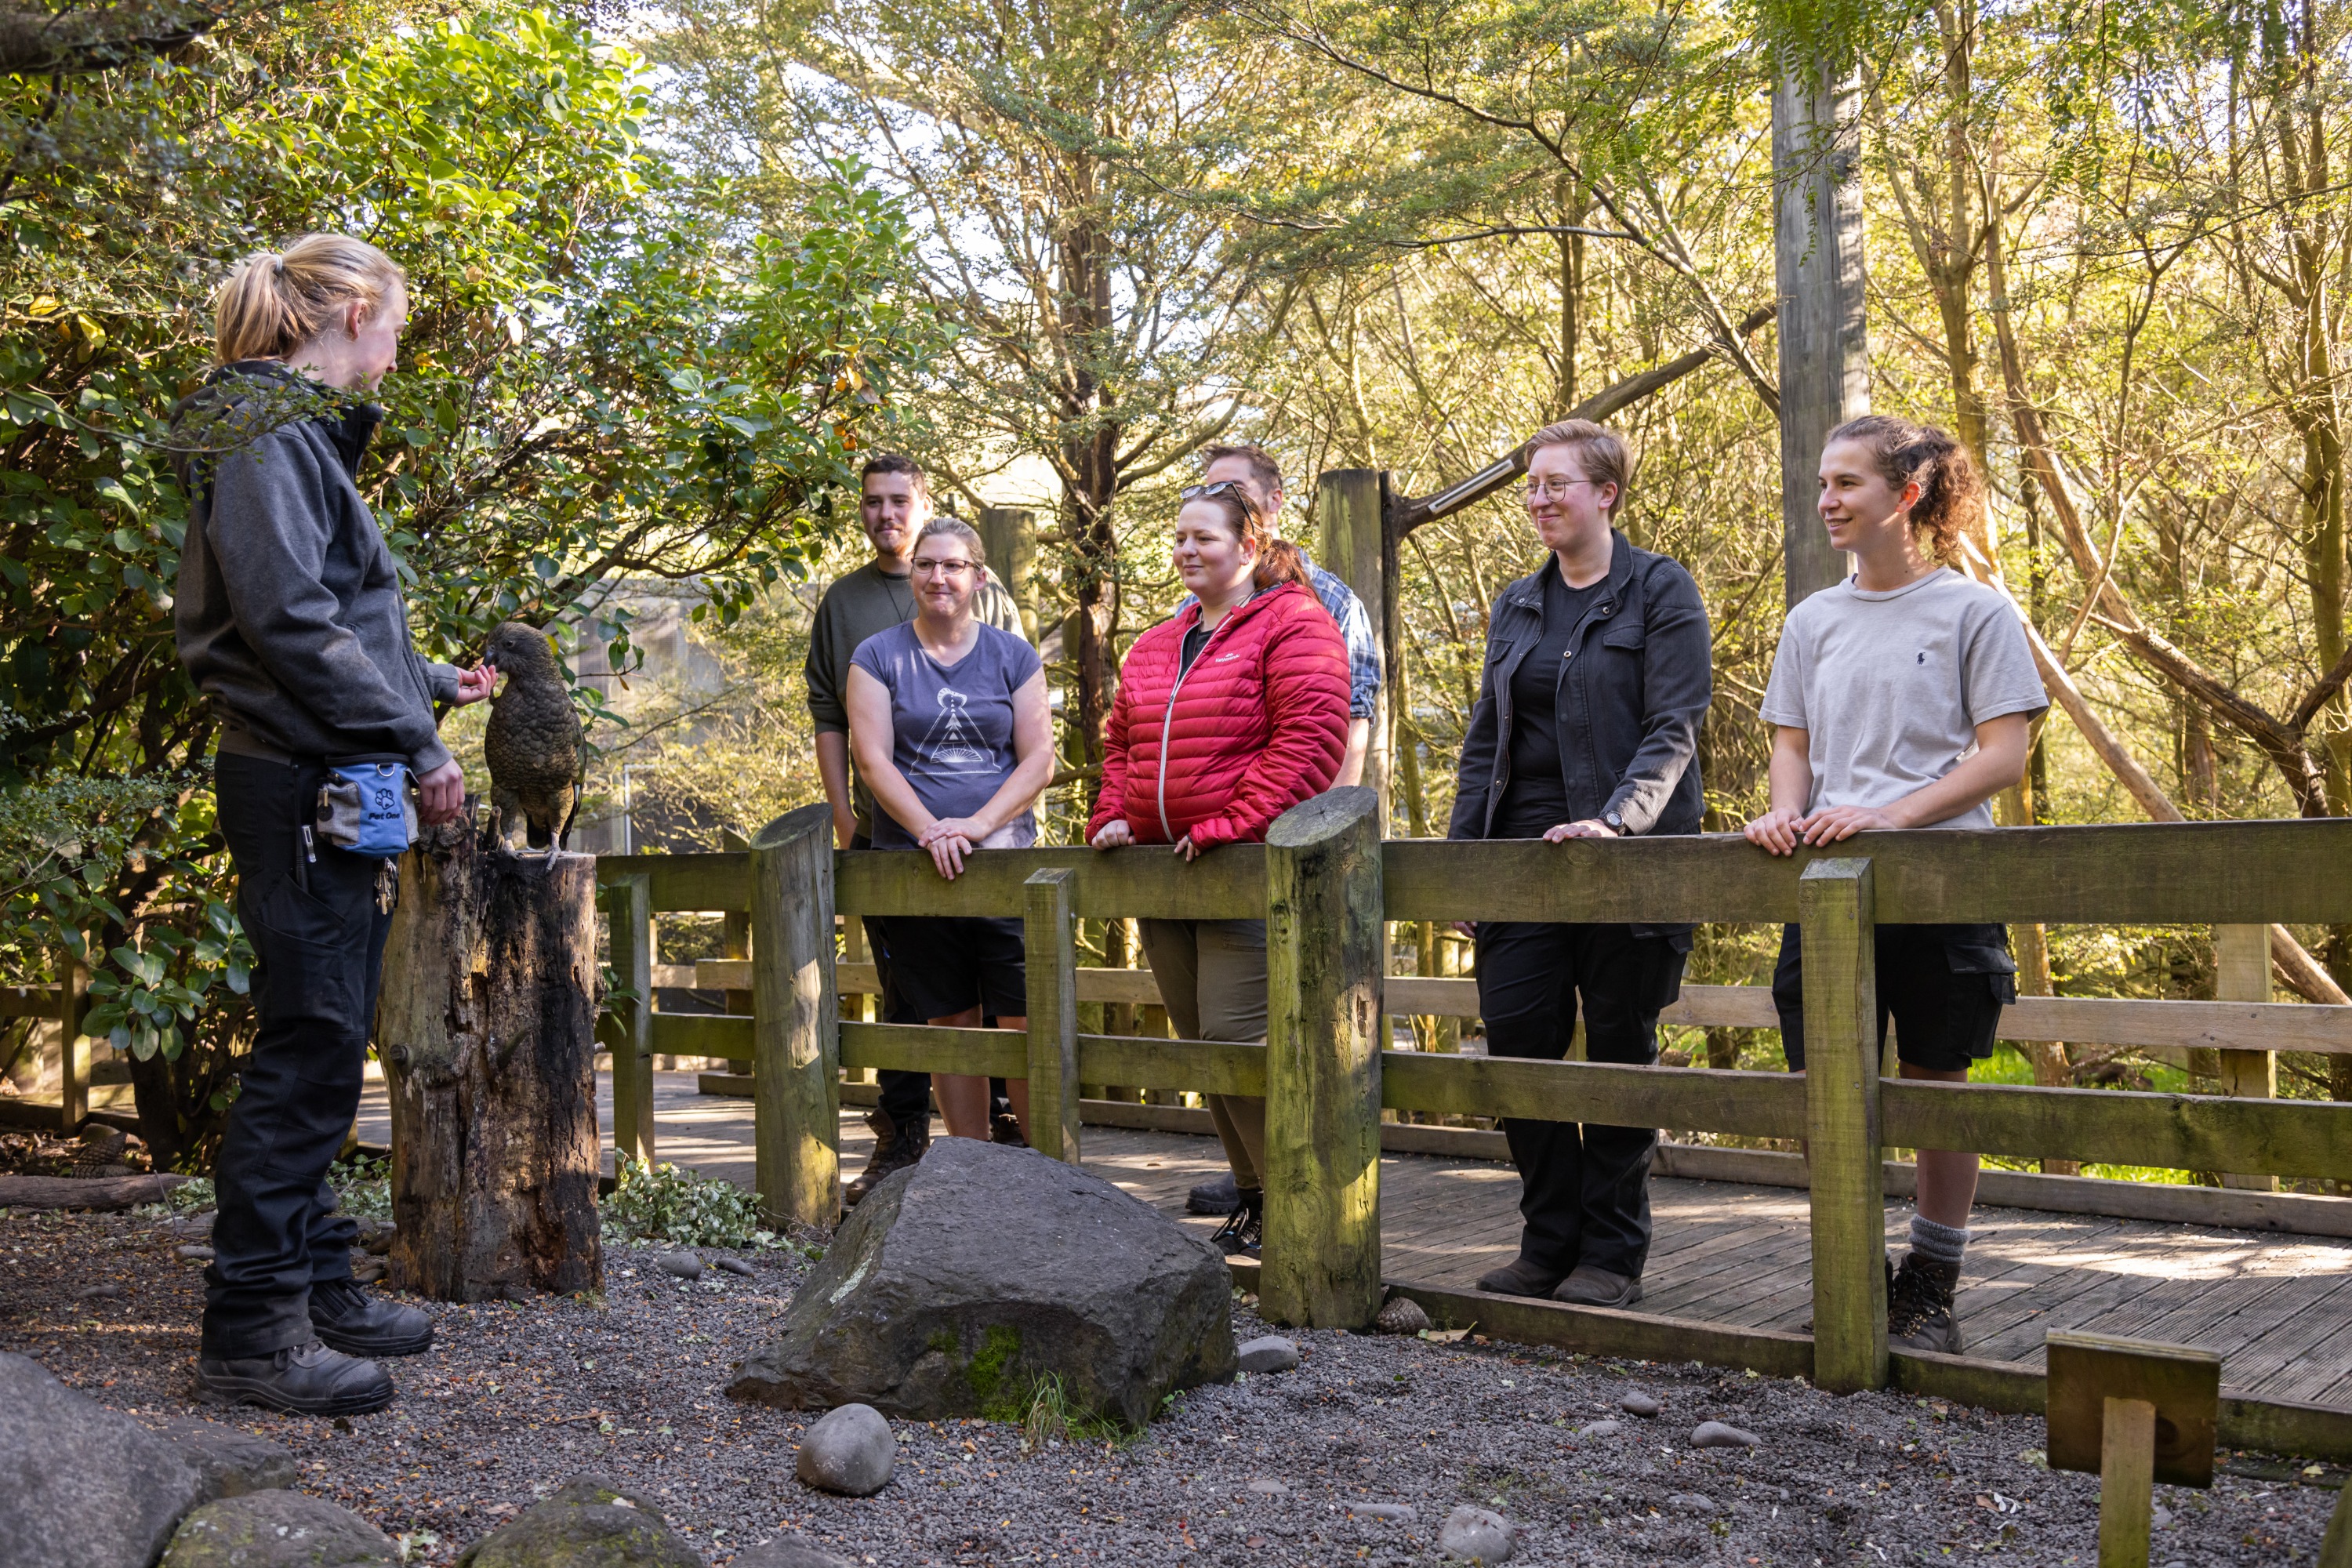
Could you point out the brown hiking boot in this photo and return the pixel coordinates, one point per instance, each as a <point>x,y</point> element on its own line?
<point>895,1149</point>
<point>1919,1306</point>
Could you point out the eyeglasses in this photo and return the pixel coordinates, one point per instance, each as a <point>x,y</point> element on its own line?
<point>1555,490</point>
<point>931,568</point>
<point>1196,492</point>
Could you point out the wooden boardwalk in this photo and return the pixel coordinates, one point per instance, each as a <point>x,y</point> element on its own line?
<point>2277,1307</point>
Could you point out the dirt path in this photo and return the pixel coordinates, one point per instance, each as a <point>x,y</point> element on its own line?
<point>515,1399</point>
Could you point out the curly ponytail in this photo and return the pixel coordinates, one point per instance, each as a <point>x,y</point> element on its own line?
<point>276,301</point>
<point>1951,492</point>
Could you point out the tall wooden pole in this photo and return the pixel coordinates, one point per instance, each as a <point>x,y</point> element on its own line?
<point>1009,534</point>
<point>1818,268</point>
<point>486,1027</point>
<point>1355,549</point>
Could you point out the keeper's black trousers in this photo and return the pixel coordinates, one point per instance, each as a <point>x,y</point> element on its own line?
<point>1584,1189</point>
<point>312,919</point>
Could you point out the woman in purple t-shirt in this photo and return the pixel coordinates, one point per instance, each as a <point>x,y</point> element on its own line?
<point>948,726</point>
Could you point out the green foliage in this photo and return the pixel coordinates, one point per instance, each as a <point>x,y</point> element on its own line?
<point>607,375</point>
<point>662,1202</point>
<point>364,1186</point>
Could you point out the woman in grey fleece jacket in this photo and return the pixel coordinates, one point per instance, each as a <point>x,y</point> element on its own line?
<point>290,619</point>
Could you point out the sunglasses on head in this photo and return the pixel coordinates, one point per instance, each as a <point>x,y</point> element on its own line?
<point>1196,492</point>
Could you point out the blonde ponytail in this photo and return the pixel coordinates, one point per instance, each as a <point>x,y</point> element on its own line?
<point>276,301</point>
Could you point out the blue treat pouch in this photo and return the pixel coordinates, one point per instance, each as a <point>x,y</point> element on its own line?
<point>364,807</point>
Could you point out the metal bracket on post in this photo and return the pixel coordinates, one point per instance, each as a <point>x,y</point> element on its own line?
<point>1322,1173</point>
<point>628,1024</point>
<point>1834,911</point>
<point>795,1020</point>
<point>1049,938</point>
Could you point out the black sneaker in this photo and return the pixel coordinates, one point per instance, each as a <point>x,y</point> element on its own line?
<point>1243,1233</point>
<point>1220,1196</point>
<point>355,1322</point>
<point>303,1380</point>
<point>1919,1306</point>
<point>1005,1127</point>
<point>895,1149</point>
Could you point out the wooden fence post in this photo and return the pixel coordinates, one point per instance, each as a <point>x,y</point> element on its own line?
<point>735,936</point>
<point>628,1029</point>
<point>1834,911</point>
<point>796,1020</point>
<point>2243,973</point>
<point>1053,958</point>
<point>1322,1257</point>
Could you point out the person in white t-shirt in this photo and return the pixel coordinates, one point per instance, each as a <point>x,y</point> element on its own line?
<point>1904,696</point>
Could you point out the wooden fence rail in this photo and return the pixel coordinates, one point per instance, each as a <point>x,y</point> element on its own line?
<point>1325,886</point>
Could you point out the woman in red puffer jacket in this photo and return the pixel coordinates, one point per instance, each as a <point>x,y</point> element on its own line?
<point>1227,716</point>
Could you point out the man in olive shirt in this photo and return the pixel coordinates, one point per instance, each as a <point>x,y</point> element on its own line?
<point>894,503</point>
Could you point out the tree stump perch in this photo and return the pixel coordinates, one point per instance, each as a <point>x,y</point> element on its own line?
<point>486,1025</point>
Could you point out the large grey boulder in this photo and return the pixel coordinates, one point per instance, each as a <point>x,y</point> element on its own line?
<point>586,1522</point>
<point>961,1284</point>
<point>231,1463</point>
<point>278,1530</point>
<point>85,1487</point>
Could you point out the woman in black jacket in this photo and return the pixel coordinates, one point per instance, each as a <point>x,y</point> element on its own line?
<point>289,619</point>
<point>1598,673</point>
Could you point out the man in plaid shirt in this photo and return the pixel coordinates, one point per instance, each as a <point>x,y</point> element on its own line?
<point>1262,476</point>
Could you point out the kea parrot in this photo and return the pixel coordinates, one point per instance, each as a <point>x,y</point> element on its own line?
<point>533,741</point>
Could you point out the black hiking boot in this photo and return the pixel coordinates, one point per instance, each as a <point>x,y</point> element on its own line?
<point>1222,1195</point>
<point>1243,1233</point>
<point>303,1380</point>
<point>1919,1306</point>
<point>895,1149</point>
<point>350,1319</point>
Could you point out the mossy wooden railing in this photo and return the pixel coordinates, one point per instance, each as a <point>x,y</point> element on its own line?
<point>1324,884</point>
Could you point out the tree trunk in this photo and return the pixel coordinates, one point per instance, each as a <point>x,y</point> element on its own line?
<point>487,1029</point>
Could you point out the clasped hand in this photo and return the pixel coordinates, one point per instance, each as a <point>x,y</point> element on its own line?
<point>949,839</point>
<point>1116,835</point>
<point>1782,831</point>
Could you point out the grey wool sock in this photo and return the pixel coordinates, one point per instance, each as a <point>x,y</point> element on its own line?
<point>1938,1243</point>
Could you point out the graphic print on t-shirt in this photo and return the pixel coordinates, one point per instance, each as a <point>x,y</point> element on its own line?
<point>953,746</point>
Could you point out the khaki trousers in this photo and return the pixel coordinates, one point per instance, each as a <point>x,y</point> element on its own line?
<point>1212,980</point>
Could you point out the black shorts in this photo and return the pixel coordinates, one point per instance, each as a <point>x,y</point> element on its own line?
<point>1944,985</point>
<point>942,964</point>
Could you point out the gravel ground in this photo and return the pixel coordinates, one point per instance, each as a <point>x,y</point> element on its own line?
<point>515,1399</point>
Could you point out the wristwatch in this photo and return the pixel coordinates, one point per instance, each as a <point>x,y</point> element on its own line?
<point>1616,823</point>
